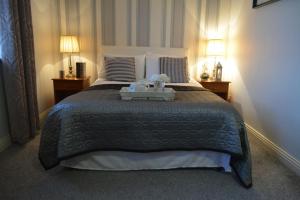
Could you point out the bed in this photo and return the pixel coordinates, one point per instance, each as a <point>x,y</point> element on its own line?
<point>96,130</point>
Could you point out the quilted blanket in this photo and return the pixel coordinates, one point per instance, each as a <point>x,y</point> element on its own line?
<point>97,119</point>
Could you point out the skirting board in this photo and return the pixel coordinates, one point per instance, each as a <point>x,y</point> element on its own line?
<point>288,160</point>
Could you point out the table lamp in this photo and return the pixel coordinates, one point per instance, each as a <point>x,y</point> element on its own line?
<point>69,44</point>
<point>215,48</point>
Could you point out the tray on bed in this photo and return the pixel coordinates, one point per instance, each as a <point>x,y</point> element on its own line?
<point>167,94</point>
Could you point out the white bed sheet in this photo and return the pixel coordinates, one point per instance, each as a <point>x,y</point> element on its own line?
<point>124,161</point>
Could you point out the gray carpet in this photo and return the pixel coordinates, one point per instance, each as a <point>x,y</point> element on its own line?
<point>22,177</point>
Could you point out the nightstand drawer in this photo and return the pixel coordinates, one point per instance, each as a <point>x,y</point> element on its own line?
<point>216,87</point>
<point>68,85</point>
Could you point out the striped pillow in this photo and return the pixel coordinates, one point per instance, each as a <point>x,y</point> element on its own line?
<point>175,68</point>
<point>120,68</point>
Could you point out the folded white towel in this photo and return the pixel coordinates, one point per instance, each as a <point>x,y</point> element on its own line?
<point>137,87</point>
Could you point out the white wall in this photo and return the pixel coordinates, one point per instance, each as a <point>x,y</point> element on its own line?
<point>49,22</point>
<point>46,49</point>
<point>264,55</point>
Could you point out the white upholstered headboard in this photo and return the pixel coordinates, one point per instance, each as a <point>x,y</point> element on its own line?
<point>143,50</point>
<point>133,51</point>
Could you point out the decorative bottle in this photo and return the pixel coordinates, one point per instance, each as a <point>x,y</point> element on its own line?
<point>219,72</point>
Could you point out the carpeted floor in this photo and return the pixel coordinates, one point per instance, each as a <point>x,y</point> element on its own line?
<point>22,177</point>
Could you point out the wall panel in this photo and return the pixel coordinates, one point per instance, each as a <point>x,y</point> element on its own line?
<point>177,23</point>
<point>156,22</point>
<point>121,23</point>
<point>143,23</point>
<point>108,22</point>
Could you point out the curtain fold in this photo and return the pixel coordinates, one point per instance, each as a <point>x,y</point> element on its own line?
<point>18,68</point>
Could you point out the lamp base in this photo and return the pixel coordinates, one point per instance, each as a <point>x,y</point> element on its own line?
<point>70,76</point>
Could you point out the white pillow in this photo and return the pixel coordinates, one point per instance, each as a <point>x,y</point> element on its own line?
<point>139,65</point>
<point>152,63</point>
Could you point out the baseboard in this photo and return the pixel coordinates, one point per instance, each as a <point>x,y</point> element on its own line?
<point>4,142</point>
<point>287,159</point>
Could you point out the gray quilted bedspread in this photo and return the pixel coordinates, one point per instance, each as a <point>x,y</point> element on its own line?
<point>96,119</point>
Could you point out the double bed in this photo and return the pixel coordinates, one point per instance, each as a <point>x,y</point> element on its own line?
<point>96,130</point>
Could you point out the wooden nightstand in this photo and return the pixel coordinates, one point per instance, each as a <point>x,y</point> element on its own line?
<point>220,88</point>
<point>68,86</point>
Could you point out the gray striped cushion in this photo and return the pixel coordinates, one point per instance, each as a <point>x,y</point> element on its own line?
<point>175,68</point>
<point>120,68</point>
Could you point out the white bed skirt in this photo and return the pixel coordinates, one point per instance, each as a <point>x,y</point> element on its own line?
<point>123,161</point>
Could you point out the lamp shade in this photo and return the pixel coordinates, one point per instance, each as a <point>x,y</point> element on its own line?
<point>69,44</point>
<point>215,47</point>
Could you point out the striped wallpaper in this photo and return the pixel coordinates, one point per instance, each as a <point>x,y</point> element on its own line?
<point>143,22</point>
<point>156,23</point>
<point>152,23</point>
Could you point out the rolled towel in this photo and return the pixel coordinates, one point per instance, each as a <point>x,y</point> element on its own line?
<point>137,87</point>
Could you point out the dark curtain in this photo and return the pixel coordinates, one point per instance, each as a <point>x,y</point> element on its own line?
<point>18,68</point>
